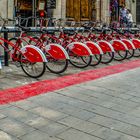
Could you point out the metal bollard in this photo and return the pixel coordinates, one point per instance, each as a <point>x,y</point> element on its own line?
<point>5,52</point>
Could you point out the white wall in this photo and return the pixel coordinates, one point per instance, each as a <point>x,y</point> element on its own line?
<point>10,8</point>
<point>6,11</point>
<point>60,11</point>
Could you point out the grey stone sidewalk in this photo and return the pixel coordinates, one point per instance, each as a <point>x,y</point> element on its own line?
<point>103,109</point>
<point>13,76</point>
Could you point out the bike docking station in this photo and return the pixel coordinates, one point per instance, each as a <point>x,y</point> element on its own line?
<point>13,29</point>
<point>9,29</point>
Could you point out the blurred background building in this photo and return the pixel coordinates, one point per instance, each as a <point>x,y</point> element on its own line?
<point>78,10</point>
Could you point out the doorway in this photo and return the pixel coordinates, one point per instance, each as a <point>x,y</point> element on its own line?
<point>80,10</point>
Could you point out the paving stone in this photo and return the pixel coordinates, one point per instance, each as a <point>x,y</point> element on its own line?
<point>128,129</point>
<point>75,110</point>
<point>4,106</point>
<point>90,99</point>
<point>79,124</point>
<point>126,137</point>
<point>81,91</point>
<point>135,99</point>
<point>127,118</point>
<point>123,102</point>
<point>48,113</point>
<point>39,122</point>
<point>125,96</point>
<point>115,102</point>
<point>108,134</point>
<point>37,135</point>
<point>5,136</point>
<point>2,115</point>
<point>73,134</point>
<point>123,109</point>
<point>19,114</point>
<point>83,114</point>
<point>53,129</point>
<point>135,112</point>
<point>70,121</point>
<point>133,93</point>
<point>26,105</point>
<point>104,121</point>
<point>14,127</point>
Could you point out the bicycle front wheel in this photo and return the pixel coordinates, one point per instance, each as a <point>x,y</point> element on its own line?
<point>80,61</point>
<point>57,66</point>
<point>34,70</point>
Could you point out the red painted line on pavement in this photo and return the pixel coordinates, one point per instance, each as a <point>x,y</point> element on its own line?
<point>26,91</point>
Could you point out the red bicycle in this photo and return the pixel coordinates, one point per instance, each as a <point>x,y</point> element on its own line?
<point>30,58</point>
<point>56,55</point>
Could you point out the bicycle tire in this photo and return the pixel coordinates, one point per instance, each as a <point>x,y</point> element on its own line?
<point>120,55</point>
<point>137,52</point>
<point>14,38</point>
<point>97,59</point>
<point>31,72</point>
<point>130,53</point>
<point>58,63</point>
<point>109,59</point>
<point>79,61</point>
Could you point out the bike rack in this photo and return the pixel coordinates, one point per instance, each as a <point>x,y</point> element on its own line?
<point>9,29</point>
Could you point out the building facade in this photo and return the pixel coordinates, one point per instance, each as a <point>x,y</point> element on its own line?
<point>78,10</point>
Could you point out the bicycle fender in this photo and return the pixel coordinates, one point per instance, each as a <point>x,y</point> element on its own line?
<point>56,51</point>
<point>79,49</point>
<point>128,43</point>
<point>119,45</point>
<point>105,46</point>
<point>33,54</point>
<point>94,47</point>
<point>136,43</point>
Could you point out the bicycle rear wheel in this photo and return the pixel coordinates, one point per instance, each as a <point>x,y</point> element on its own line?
<point>107,57</point>
<point>130,53</point>
<point>34,70</point>
<point>79,61</point>
<point>96,59</point>
<point>120,55</point>
<point>57,66</point>
<point>137,52</point>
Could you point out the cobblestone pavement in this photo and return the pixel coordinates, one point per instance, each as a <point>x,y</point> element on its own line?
<point>103,109</point>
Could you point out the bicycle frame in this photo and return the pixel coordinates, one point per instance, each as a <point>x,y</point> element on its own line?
<point>15,48</point>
